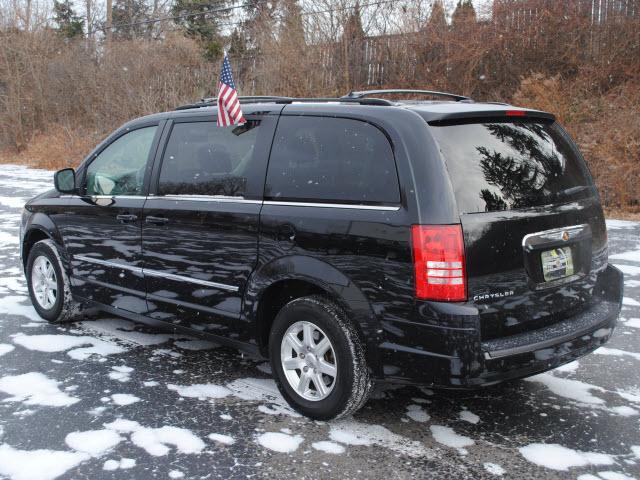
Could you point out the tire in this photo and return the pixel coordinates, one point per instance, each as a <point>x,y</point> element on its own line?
<point>64,308</point>
<point>341,395</point>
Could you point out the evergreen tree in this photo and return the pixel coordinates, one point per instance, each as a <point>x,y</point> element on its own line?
<point>237,44</point>
<point>204,28</point>
<point>70,25</point>
<point>128,12</point>
<point>437,19</point>
<point>291,28</point>
<point>353,30</point>
<point>353,36</point>
<point>464,13</point>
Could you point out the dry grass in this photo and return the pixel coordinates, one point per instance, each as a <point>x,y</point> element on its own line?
<point>57,148</point>
<point>59,98</point>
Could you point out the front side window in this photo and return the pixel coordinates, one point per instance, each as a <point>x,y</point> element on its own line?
<point>331,159</point>
<point>203,159</point>
<point>119,169</point>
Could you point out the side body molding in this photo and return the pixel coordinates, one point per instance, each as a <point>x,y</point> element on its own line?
<point>325,277</point>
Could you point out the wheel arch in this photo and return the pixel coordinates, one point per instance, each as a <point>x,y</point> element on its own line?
<point>41,227</point>
<point>284,279</point>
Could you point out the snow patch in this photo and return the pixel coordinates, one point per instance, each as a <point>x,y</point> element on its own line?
<point>60,343</point>
<point>620,224</point>
<point>328,447</point>
<point>155,440</point>
<point>34,388</point>
<point>124,399</point>
<point>5,348</point>
<point>200,391</point>
<point>280,442</point>
<point>630,302</point>
<point>446,436</point>
<point>557,457</point>
<point>261,390</point>
<point>121,373</point>
<point>568,367</point>
<point>633,323</point>
<point>417,413</point>
<point>37,464</point>
<point>616,353</point>
<point>123,464</point>
<point>468,416</point>
<point>628,269</point>
<point>220,438</point>
<point>571,389</point>
<point>494,469</point>
<point>351,432</point>
<point>631,256</point>
<point>93,442</point>
<point>13,202</point>
<point>608,475</point>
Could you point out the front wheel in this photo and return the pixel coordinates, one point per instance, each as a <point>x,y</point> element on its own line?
<point>318,359</point>
<point>48,284</point>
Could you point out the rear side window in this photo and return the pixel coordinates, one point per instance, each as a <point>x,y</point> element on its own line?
<point>331,159</point>
<point>203,159</point>
<point>509,165</point>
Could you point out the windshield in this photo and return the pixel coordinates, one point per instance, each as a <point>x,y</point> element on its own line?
<point>498,165</point>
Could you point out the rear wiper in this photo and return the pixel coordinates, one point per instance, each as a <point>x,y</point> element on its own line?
<point>569,192</point>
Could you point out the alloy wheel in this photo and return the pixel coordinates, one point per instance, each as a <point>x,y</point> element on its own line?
<point>308,361</point>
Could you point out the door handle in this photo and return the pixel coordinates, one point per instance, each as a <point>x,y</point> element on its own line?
<point>126,218</point>
<point>156,220</point>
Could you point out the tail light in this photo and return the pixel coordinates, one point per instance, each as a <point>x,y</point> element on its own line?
<point>438,256</point>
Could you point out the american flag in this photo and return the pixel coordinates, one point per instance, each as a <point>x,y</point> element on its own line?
<point>229,111</point>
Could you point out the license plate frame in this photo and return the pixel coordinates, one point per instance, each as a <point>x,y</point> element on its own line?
<point>557,263</point>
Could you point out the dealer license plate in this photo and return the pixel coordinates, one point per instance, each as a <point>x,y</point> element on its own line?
<point>557,263</point>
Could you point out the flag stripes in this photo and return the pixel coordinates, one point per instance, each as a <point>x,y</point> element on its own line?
<point>229,110</point>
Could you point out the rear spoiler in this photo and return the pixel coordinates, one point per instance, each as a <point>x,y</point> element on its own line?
<point>512,113</point>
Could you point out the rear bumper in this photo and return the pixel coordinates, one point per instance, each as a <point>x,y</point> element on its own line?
<point>473,363</point>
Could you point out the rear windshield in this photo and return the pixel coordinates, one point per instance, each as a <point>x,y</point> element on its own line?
<point>500,165</point>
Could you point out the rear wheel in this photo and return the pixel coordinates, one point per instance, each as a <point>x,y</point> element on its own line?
<point>48,284</point>
<point>318,359</point>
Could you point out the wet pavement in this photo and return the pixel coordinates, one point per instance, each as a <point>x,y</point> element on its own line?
<point>104,398</point>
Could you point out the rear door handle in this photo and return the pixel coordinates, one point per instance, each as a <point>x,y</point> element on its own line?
<point>126,218</point>
<point>156,220</point>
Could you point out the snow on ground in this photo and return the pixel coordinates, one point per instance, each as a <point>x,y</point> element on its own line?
<point>558,457</point>
<point>34,388</point>
<point>447,436</point>
<point>37,464</point>
<point>222,438</point>
<point>279,442</point>
<point>61,343</point>
<point>328,447</point>
<point>106,397</point>
<point>93,442</point>
<point>494,469</point>
<point>351,432</point>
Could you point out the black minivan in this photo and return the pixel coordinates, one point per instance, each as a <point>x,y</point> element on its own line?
<point>351,240</point>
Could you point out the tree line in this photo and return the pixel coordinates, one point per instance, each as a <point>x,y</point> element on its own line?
<point>70,72</point>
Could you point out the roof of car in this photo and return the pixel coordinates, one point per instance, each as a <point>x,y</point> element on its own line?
<point>430,111</point>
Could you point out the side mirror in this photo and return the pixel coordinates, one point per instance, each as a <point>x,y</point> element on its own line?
<point>65,180</point>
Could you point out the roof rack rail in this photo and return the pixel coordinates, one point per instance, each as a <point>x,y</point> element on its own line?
<point>261,98</point>
<point>205,102</point>
<point>361,101</point>
<point>366,93</point>
<point>209,102</point>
